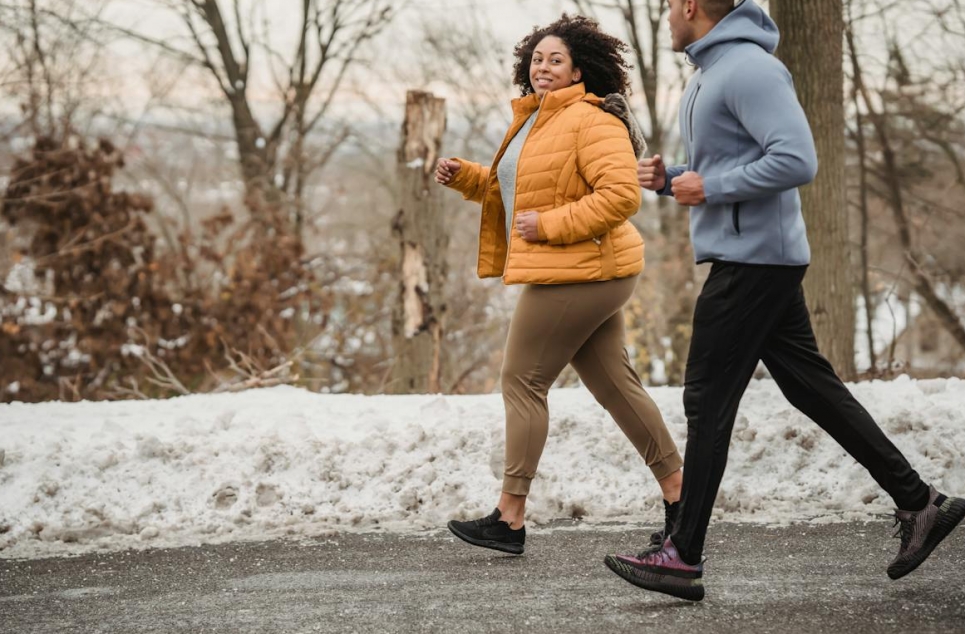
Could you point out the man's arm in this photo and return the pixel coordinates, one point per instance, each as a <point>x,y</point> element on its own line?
<point>765,104</point>
<point>672,173</point>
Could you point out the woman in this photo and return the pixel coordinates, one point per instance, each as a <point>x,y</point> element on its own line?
<point>555,204</point>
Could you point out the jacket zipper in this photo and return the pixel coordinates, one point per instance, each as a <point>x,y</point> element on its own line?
<point>737,218</point>
<point>512,219</point>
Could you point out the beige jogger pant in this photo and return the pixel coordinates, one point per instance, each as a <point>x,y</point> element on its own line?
<point>579,324</point>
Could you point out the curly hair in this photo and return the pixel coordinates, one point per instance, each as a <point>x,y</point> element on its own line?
<point>599,56</point>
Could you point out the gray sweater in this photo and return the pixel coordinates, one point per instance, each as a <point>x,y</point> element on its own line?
<point>506,171</point>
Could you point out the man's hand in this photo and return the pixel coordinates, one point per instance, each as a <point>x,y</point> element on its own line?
<point>445,170</point>
<point>688,189</point>
<point>652,173</point>
<point>527,224</point>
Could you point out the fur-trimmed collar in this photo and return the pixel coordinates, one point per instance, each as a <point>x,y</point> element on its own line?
<point>616,104</point>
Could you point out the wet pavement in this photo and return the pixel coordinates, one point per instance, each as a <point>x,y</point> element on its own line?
<point>801,578</point>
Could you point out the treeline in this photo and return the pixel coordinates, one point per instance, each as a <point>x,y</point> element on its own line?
<point>143,255</point>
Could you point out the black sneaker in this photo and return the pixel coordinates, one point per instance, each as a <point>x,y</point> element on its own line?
<point>670,518</point>
<point>921,531</point>
<point>489,532</point>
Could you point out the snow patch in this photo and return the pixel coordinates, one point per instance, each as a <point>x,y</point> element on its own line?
<point>76,477</point>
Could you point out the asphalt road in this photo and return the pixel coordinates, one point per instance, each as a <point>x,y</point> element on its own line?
<point>802,578</point>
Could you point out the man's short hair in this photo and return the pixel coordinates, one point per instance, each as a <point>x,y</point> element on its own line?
<point>717,10</point>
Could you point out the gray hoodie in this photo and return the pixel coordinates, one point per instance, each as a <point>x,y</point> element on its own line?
<point>746,135</point>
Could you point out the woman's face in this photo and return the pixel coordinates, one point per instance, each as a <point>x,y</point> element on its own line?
<point>552,66</point>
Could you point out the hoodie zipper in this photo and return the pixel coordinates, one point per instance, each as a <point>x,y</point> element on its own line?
<point>693,102</point>
<point>737,218</point>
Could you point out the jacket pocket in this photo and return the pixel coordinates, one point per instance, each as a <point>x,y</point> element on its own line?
<point>736,218</point>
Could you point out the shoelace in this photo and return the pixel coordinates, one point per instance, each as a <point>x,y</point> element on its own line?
<point>905,528</point>
<point>649,551</point>
<point>667,520</point>
<point>489,520</point>
<point>653,550</point>
<point>667,527</point>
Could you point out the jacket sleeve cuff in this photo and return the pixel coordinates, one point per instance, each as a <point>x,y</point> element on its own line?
<point>672,173</point>
<point>458,181</point>
<point>713,190</point>
<point>540,229</point>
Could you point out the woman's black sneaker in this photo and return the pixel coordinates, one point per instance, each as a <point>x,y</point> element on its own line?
<point>490,532</point>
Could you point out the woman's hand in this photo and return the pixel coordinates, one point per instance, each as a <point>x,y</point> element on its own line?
<point>527,224</point>
<point>445,170</point>
<point>652,173</point>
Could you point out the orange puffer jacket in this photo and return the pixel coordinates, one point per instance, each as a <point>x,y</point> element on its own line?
<point>577,169</point>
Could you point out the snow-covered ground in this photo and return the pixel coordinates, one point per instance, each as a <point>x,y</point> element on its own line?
<point>283,461</point>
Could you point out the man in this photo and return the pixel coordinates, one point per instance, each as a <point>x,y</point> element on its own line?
<point>749,148</point>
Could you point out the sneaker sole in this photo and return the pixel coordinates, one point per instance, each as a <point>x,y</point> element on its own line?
<point>512,549</point>
<point>689,589</point>
<point>944,524</point>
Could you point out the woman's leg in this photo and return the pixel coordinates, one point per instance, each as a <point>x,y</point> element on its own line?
<point>550,325</point>
<point>604,367</point>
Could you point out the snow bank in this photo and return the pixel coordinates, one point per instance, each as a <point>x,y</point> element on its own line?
<point>282,461</point>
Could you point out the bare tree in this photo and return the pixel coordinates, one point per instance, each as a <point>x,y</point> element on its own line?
<point>275,153</point>
<point>473,66</point>
<point>54,63</point>
<point>909,134</point>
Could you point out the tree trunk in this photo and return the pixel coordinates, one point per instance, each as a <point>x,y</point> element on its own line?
<point>812,35</point>
<point>869,304</point>
<point>421,228</point>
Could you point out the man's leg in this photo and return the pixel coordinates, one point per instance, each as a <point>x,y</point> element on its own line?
<point>925,516</point>
<point>810,384</point>
<point>737,308</point>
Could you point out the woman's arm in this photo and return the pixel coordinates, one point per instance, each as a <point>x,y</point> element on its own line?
<point>466,177</point>
<point>606,161</point>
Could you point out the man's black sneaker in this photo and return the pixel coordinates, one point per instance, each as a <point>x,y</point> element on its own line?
<point>490,532</point>
<point>670,518</point>
<point>921,531</point>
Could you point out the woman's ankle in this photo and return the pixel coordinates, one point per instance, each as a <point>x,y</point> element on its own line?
<point>671,486</point>
<point>512,509</point>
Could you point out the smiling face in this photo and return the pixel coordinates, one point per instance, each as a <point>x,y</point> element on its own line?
<point>552,66</point>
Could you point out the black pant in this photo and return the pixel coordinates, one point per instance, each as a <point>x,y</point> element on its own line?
<point>749,313</point>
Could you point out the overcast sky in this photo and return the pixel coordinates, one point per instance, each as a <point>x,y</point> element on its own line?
<point>509,19</point>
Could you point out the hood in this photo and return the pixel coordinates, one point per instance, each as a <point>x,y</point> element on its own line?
<point>746,23</point>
